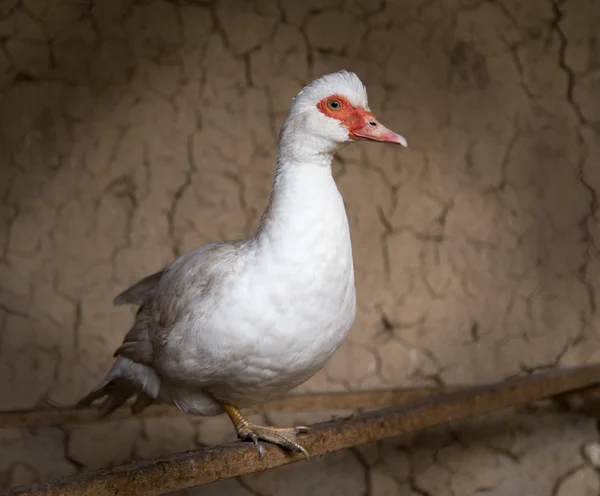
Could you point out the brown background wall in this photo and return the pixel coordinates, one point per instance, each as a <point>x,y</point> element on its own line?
<point>133,131</point>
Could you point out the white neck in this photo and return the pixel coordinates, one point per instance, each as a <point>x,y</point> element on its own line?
<point>305,213</point>
<point>302,194</point>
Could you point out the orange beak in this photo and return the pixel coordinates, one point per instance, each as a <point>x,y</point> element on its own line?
<point>370,128</point>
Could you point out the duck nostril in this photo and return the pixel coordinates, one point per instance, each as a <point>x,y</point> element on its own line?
<point>373,123</point>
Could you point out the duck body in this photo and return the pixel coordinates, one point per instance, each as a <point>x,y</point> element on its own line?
<point>282,302</point>
<point>231,324</point>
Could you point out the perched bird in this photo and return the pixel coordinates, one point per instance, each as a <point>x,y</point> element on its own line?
<point>232,324</point>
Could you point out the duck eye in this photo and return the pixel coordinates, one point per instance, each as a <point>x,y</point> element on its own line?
<point>334,104</point>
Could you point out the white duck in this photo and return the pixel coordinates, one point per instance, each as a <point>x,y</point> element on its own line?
<point>231,324</point>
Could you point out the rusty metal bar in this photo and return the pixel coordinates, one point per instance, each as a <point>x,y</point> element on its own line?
<point>207,465</point>
<point>322,402</point>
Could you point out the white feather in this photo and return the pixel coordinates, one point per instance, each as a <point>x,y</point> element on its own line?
<point>240,322</point>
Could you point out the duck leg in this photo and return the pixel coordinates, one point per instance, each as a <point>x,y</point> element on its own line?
<point>247,431</point>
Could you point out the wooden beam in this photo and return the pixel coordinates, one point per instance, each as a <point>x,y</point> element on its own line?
<point>207,465</point>
<point>322,402</point>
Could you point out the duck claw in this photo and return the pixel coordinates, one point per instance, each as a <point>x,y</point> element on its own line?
<point>284,437</point>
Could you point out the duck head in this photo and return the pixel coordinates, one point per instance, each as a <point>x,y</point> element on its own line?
<point>329,113</point>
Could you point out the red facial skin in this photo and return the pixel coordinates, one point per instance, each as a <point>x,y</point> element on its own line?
<point>360,123</point>
<point>352,117</point>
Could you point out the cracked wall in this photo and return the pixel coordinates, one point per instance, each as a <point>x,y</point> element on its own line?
<point>131,132</point>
